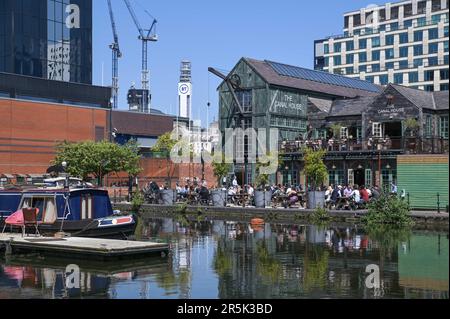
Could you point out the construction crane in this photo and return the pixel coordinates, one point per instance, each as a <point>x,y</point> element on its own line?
<point>145,36</point>
<point>116,54</point>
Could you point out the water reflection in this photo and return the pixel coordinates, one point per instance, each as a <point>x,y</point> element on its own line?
<point>228,259</point>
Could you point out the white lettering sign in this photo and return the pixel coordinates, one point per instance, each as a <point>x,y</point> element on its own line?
<point>73,19</point>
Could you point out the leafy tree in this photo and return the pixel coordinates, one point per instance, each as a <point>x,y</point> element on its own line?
<point>411,126</point>
<point>336,129</point>
<point>165,143</point>
<point>315,168</point>
<point>98,159</point>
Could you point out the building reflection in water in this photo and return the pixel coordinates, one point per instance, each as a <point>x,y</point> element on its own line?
<point>232,259</point>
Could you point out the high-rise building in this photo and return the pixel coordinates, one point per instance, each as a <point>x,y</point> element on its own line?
<point>49,39</point>
<point>185,90</point>
<point>402,43</point>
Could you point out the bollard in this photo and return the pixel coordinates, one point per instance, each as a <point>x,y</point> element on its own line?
<point>438,204</point>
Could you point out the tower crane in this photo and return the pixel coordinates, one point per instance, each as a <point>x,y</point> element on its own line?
<point>145,36</point>
<point>116,54</point>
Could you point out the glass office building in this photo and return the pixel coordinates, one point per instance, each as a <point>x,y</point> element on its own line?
<point>50,39</point>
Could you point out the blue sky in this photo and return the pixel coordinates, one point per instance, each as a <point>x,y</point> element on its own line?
<point>211,33</point>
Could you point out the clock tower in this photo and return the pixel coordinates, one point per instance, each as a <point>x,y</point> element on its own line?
<point>185,90</point>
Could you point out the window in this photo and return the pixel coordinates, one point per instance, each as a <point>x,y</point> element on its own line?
<point>403,64</point>
<point>389,65</point>
<point>443,127</point>
<point>344,132</point>
<point>435,19</point>
<point>418,49</point>
<point>326,62</point>
<point>336,177</point>
<point>408,23</point>
<point>390,39</point>
<point>245,98</point>
<point>413,77</point>
<point>445,46</point>
<point>337,60</point>
<point>398,78</point>
<point>403,38</point>
<point>375,42</point>
<point>418,36</point>
<point>418,62</point>
<point>376,130</point>
<point>429,88</point>
<point>376,67</point>
<point>350,45</point>
<point>446,31</point>
<point>326,48</point>
<point>362,68</point>
<point>362,57</point>
<point>376,55</point>
<point>394,26</point>
<point>370,79</point>
<point>404,52</point>
<point>422,7</point>
<point>432,48</point>
<point>444,87</point>
<point>337,47</point>
<point>394,12</point>
<point>433,61</point>
<point>435,5</point>
<point>363,43</point>
<point>428,126</point>
<point>349,70</point>
<point>384,79</point>
<point>389,53</point>
<point>433,34</point>
<point>349,59</point>
<point>346,22</point>
<point>421,22</point>
<point>443,74</point>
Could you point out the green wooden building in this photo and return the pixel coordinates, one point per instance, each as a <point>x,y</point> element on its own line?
<point>275,95</point>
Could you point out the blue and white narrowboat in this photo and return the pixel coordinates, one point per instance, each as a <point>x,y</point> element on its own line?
<point>83,212</point>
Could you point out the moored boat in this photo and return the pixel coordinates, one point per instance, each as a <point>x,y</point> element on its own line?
<point>81,212</point>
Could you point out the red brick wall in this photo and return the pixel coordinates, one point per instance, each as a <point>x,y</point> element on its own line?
<point>29,132</point>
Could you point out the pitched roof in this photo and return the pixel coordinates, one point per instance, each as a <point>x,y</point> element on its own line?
<point>424,99</point>
<point>314,81</point>
<point>322,104</point>
<point>348,107</point>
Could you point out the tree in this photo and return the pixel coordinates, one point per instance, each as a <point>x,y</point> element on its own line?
<point>165,143</point>
<point>221,169</point>
<point>98,159</point>
<point>336,129</point>
<point>411,125</point>
<point>315,168</point>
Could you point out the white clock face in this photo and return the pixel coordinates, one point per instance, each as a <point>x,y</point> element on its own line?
<point>184,89</point>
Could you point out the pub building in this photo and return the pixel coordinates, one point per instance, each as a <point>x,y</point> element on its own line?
<point>364,127</point>
<point>366,135</point>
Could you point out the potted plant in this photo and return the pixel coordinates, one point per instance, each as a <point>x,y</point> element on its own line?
<point>263,197</point>
<point>219,195</point>
<point>317,171</point>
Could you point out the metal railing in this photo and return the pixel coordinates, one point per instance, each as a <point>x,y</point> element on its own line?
<point>408,145</point>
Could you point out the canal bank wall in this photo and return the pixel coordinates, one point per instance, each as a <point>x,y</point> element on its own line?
<point>421,219</point>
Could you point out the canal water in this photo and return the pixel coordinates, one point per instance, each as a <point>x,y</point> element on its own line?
<point>228,260</point>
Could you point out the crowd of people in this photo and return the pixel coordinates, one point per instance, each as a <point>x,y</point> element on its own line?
<point>196,191</point>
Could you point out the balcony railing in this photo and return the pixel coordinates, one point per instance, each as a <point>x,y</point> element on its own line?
<point>404,145</point>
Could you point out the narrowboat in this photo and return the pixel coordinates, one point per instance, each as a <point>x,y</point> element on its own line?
<point>80,212</point>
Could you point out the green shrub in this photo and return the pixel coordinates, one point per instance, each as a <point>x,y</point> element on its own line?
<point>388,210</point>
<point>320,217</point>
<point>136,202</point>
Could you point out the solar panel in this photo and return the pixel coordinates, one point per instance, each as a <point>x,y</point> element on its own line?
<point>322,77</point>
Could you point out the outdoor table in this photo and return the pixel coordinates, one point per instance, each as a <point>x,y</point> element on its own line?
<point>341,202</point>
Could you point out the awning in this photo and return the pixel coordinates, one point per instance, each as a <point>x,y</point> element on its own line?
<point>8,176</point>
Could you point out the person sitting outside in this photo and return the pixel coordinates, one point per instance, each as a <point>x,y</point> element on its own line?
<point>335,195</point>
<point>204,193</point>
<point>364,195</point>
<point>328,194</point>
<point>293,197</point>
<point>356,195</point>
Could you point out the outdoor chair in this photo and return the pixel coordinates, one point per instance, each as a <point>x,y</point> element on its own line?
<point>26,217</point>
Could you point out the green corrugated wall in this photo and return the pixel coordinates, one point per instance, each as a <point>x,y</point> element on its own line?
<point>423,177</point>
